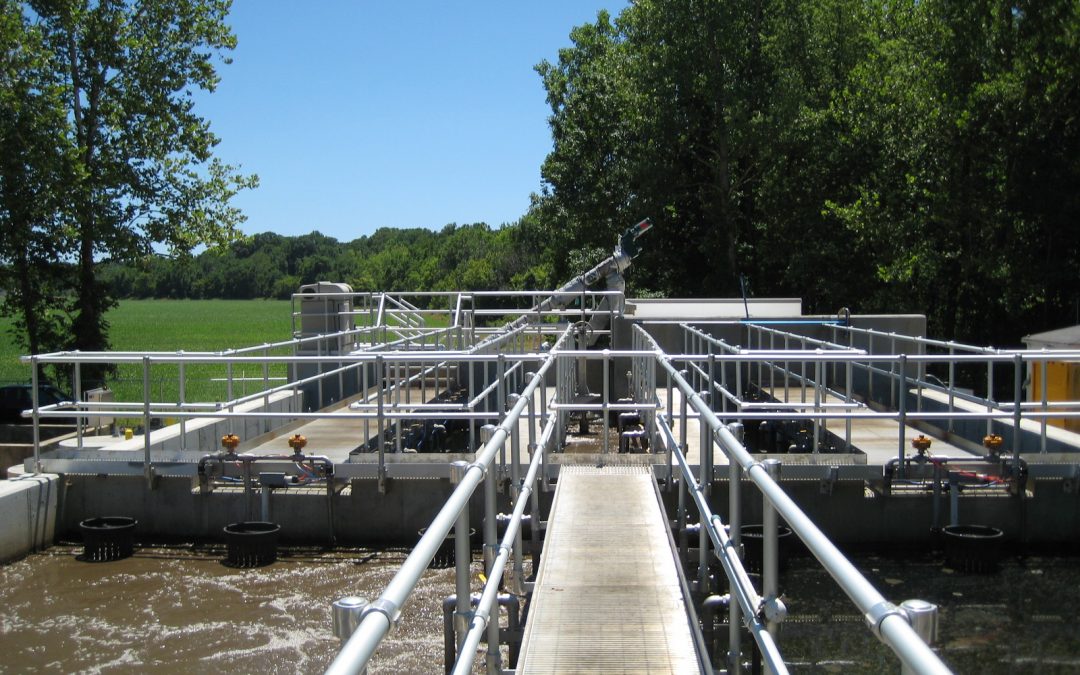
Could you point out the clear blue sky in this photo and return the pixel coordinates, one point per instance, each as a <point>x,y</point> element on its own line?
<point>359,115</point>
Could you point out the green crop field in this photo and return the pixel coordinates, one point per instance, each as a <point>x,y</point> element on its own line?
<point>171,325</point>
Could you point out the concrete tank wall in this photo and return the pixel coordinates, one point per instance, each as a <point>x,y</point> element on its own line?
<point>27,515</point>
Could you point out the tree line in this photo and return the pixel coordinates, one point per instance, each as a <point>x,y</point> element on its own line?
<point>268,265</point>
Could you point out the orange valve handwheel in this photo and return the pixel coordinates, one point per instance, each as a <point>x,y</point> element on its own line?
<point>921,443</point>
<point>230,442</point>
<point>993,442</point>
<point>297,442</point>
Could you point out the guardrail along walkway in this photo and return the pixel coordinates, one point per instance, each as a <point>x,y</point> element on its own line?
<point>607,596</point>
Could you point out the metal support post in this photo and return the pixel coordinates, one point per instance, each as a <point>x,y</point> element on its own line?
<point>148,469</point>
<point>518,580</point>
<point>35,403</point>
<point>705,481</point>
<point>735,534</point>
<point>462,560</point>
<point>770,555</point>
<point>1018,394</point>
<point>901,449</point>
<point>380,382</point>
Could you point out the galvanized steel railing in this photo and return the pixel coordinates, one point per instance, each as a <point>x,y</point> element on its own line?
<point>384,612</point>
<point>887,621</point>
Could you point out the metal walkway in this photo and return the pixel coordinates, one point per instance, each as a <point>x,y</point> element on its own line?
<point>608,597</point>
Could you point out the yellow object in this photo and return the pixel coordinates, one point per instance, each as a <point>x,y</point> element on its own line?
<point>230,441</point>
<point>297,442</point>
<point>128,433</point>
<point>1062,384</point>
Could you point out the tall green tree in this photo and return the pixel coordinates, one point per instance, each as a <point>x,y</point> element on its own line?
<point>32,164</point>
<point>139,166</point>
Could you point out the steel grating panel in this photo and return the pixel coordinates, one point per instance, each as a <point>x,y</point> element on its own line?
<point>607,597</point>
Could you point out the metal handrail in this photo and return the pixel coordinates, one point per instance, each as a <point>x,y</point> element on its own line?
<point>886,620</point>
<point>386,611</point>
<point>742,588</point>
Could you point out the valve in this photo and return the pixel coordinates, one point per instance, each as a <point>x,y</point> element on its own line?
<point>297,443</point>
<point>993,443</point>
<point>230,442</point>
<point>921,444</point>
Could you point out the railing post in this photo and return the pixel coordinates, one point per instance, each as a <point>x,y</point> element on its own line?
<point>770,554</point>
<point>901,450</point>
<point>1018,398</point>
<point>182,396</point>
<point>491,536</point>
<point>515,492</point>
<point>35,404</point>
<point>735,534</point>
<point>462,561</point>
<point>705,481</point>
<point>380,382</point>
<point>147,467</point>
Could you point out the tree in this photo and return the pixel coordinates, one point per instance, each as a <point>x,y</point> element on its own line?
<point>32,163</point>
<point>139,170</point>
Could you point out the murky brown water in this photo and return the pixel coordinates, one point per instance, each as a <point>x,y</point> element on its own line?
<point>180,610</point>
<point>1021,619</point>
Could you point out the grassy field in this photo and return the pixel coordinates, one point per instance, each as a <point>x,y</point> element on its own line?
<point>170,325</point>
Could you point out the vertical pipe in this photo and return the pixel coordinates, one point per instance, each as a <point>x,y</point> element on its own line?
<point>318,352</point>
<point>1044,420</point>
<point>515,494</point>
<point>847,399</point>
<point>870,366</point>
<point>500,405</point>
<point>894,384</point>
<point>817,407</point>
<point>770,545</point>
<point>952,382</point>
<point>989,395</point>
<point>364,398</point>
<point>605,402</point>
<point>735,534</point>
<point>182,393</point>
<point>472,394</point>
<point>228,390</point>
<point>380,377</point>
<point>147,470</point>
<point>79,419</point>
<point>1018,397</point>
<point>462,560</point>
<point>787,368</point>
<point>705,481</point>
<point>491,534</point>
<point>265,502</point>
<point>901,446</point>
<point>266,387</point>
<point>35,402</point>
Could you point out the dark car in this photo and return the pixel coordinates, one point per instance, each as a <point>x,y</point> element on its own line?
<point>15,398</point>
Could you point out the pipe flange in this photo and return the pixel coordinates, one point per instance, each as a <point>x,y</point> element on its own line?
<point>879,613</point>
<point>388,609</point>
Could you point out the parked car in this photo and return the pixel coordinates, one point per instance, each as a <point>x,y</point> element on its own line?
<point>15,398</point>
